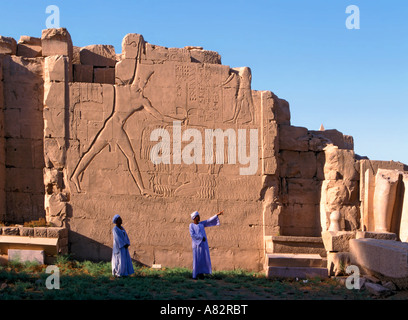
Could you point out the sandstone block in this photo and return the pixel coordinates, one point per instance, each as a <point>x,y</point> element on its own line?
<point>11,231</point>
<point>337,241</point>
<point>53,176</point>
<point>29,47</point>
<point>40,232</point>
<point>76,58</point>
<point>386,257</point>
<point>26,255</point>
<point>294,164</point>
<point>282,111</point>
<point>376,289</point>
<point>293,138</point>
<point>104,75</point>
<point>98,55</point>
<point>376,235</point>
<point>205,56</point>
<point>26,232</point>
<point>56,42</point>
<point>336,138</point>
<point>56,68</point>
<point>302,191</point>
<point>8,45</point>
<point>340,164</point>
<point>83,73</point>
<point>339,193</point>
<point>53,232</point>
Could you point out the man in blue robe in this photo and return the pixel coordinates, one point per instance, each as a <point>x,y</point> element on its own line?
<point>201,251</point>
<point>121,261</point>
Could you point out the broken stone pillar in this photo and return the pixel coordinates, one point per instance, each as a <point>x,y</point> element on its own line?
<point>339,191</point>
<point>56,102</point>
<point>58,42</point>
<point>384,198</point>
<point>403,234</point>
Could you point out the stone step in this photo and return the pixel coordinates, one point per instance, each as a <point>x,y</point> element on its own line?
<point>294,260</point>
<point>295,244</point>
<point>296,272</point>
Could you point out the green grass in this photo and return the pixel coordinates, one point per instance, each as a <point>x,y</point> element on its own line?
<point>87,280</point>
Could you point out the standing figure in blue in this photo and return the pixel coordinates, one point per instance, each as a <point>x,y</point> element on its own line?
<point>121,262</point>
<point>201,251</point>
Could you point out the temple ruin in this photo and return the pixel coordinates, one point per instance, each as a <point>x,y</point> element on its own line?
<point>76,148</point>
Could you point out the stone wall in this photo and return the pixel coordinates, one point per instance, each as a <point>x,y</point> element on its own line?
<point>2,149</point>
<point>81,126</point>
<point>23,134</point>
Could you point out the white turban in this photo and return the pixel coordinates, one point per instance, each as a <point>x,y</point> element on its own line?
<point>115,217</point>
<point>194,214</point>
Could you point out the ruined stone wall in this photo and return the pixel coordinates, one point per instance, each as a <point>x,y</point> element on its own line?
<point>98,145</point>
<point>2,149</point>
<point>23,133</point>
<point>82,124</point>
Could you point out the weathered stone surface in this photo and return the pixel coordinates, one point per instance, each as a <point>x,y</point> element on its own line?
<point>340,164</point>
<point>26,232</point>
<point>26,255</point>
<point>294,164</point>
<point>132,46</point>
<point>339,193</point>
<point>56,42</point>
<point>376,289</point>
<point>11,231</point>
<point>53,232</point>
<point>205,56</point>
<point>40,232</point>
<point>29,47</point>
<point>56,68</point>
<point>293,138</point>
<point>386,257</point>
<point>98,55</point>
<point>104,75</point>
<point>386,182</point>
<point>125,71</point>
<point>376,235</point>
<point>337,241</point>
<point>83,73</point>
<point>8,45</point>
<point>403,235</point>
<point>368,171</point>
<point>337,263</point>
<point>336,138</point>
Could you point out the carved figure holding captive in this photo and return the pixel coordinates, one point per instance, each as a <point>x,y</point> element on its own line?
<point>128,100</point>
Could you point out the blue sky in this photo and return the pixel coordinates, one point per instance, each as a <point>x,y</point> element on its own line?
<point>355,81</point>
